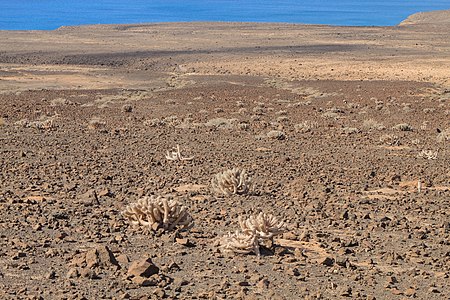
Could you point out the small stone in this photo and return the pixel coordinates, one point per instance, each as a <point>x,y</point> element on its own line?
<point>289,236</point>
<point>263,283</point>
<point>174,267</point>
<point>60,235</point>
<point>92,259</point>
<point>159,292</point>
<point>396,291</point>
<point>327,261</point>
<point>37,227</point>
<point>89,198</point>
<point>243,283</point>
<point>127,108</point>
<point>182,241</point>
<point>293,272</point>
<point>104,193</point>
<point>50,275</point>
<point>106,257</point>
<point>345,291</point>
<point>433,290</point>
<point>143,281</point>
<point>410,292</point>
<point>87,273</point>
<point>143,268</point>
<point>178,281</point>
<point>341,261</point>
<point>73,273</point>
<point>122,259</point>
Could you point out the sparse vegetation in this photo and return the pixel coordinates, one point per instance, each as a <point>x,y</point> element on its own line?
<point>276,134</point>
<point>428,154</point>
<point>254,232</point>
<point>444,136</point>
<point>371,124</point>
<point>154,122</point>
<point>229,182</point>
<point>97,124</point>
<point>350,130</point>
<point>176,155</point>
<point>403,127</point>
<point>127,108</point>
<point>305,126</point>
<point>221,123</point>
<point>151,213</point>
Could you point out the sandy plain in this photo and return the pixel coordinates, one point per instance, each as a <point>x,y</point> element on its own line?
<point>337,127</point>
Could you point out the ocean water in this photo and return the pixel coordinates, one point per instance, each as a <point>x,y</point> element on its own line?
<point>51,14</point>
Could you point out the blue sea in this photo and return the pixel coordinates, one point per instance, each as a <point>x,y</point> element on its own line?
<point>51,14</point>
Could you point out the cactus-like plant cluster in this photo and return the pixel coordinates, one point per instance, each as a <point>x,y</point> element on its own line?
<point>230,182</point>
<point>167,214</point>
<point>176,155</point>
<point>254,231</point>
<point>428,154</point>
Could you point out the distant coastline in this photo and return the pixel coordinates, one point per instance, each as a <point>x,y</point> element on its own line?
<point>431,17</point>
<point>48,15</point>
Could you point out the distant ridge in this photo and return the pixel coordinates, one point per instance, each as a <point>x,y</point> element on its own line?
<point>437,17</point>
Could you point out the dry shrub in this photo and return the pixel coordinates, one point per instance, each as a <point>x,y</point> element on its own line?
<point>305,126</point>
<point>154,122</point>
<point>175,155</point>
<point>428,154</point>
<point>282,119</point>
<point>255,231</point>
<point>44,123</point>
<point>403,127</point>
<point>350,130</point>
<point>258,110</point>
<point>371,124</point>
<point>239,243</point>
<point>60,101</point>
<point>229,182</point>
<point>244,126</point>
<point>127,108</point>
<point>97,124</point>
<point>265,226</point>
<point>276,134</point>
<point>221,123</point>
<point>151,213</point>
<point>390,139</point>
<point>331,115</point>
<point>444,136</point>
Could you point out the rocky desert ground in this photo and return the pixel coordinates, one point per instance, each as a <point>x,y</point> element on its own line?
<point>343,132</point>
